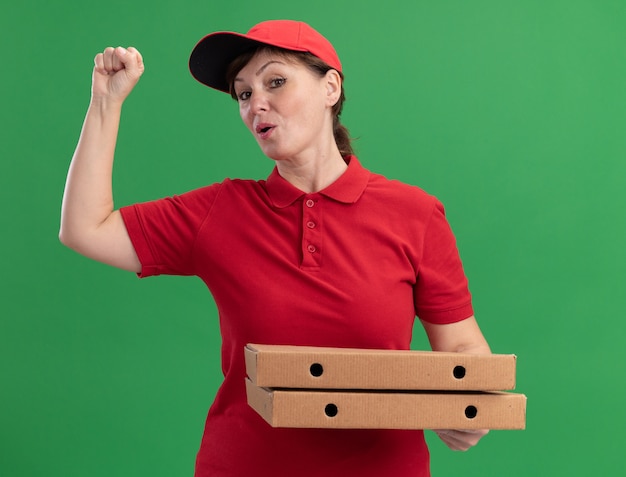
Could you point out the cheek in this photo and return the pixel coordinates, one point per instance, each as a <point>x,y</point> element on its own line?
<point>306,110</point>
<point>245,116</point>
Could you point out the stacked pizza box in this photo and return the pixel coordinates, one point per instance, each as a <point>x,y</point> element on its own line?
<point>311,387</point>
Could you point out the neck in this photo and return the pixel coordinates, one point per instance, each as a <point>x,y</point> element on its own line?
<point>313,174</point>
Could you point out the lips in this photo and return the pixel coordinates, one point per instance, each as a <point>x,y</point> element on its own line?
<point>264,130</point>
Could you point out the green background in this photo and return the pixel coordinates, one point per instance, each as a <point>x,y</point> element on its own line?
<point>511,112</point>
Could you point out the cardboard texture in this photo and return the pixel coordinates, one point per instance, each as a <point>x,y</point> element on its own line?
<point>303,367</point>
<point>387,410</point>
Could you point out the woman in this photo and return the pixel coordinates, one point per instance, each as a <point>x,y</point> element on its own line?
<point>322,253</point>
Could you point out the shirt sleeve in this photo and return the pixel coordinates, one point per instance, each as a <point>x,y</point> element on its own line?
<point>164,231</point>
<point>441,292</point>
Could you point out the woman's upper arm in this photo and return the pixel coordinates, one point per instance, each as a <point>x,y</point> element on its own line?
<point>462,336</point>
<point>108,243</point>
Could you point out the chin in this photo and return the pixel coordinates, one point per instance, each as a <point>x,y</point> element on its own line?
<point>275,155</point>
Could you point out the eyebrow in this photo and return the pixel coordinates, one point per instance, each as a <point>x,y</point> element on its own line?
<point>261,69</point>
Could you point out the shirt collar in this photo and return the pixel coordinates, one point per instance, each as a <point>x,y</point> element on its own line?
<point>347,189</point>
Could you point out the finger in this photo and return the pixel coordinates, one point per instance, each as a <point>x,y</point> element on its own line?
<point>139,59</point>
<point>132,61</point>
<point>456,444</point>
<point>107,57</point>
<point>471,435</point>
<point>118,58</point>
<point>462,439</point>
<point>450,439</point>
<point>135,53</point>
<point>99,63</point>
<point>462,432</point>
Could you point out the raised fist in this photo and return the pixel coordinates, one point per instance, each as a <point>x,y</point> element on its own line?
<point>116,72</point>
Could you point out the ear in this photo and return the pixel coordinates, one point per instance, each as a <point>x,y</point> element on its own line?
<point>333,87</point>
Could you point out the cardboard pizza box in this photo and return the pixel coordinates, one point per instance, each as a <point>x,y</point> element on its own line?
<point>346,368</point>
<point>387,410</point>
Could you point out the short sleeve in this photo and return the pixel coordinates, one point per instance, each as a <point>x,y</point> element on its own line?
<point>441,292</point>
<point>164,231</point>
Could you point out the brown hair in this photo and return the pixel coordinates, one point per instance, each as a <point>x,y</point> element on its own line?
<point>317,66</point>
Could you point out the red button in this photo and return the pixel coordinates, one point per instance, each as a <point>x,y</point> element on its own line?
<point>310,224</point>
<point>311,248</point>
<point>310,203</point>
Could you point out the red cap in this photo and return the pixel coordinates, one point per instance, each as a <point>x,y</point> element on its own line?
<point>211,56</point>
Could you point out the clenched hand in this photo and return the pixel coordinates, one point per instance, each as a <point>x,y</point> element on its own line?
<point>116,72</point>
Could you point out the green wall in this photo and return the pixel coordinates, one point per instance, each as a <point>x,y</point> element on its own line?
<point>512,112</point>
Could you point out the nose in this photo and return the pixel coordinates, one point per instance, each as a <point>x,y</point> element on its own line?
<point>258,102</point>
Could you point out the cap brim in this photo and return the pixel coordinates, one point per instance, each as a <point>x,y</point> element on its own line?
<point>210,58</point>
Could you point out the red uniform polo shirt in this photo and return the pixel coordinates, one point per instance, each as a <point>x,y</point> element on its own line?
<point>349,266</point>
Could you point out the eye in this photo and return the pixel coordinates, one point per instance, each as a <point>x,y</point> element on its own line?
<point>277,82</point>
<point>243,95</point>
